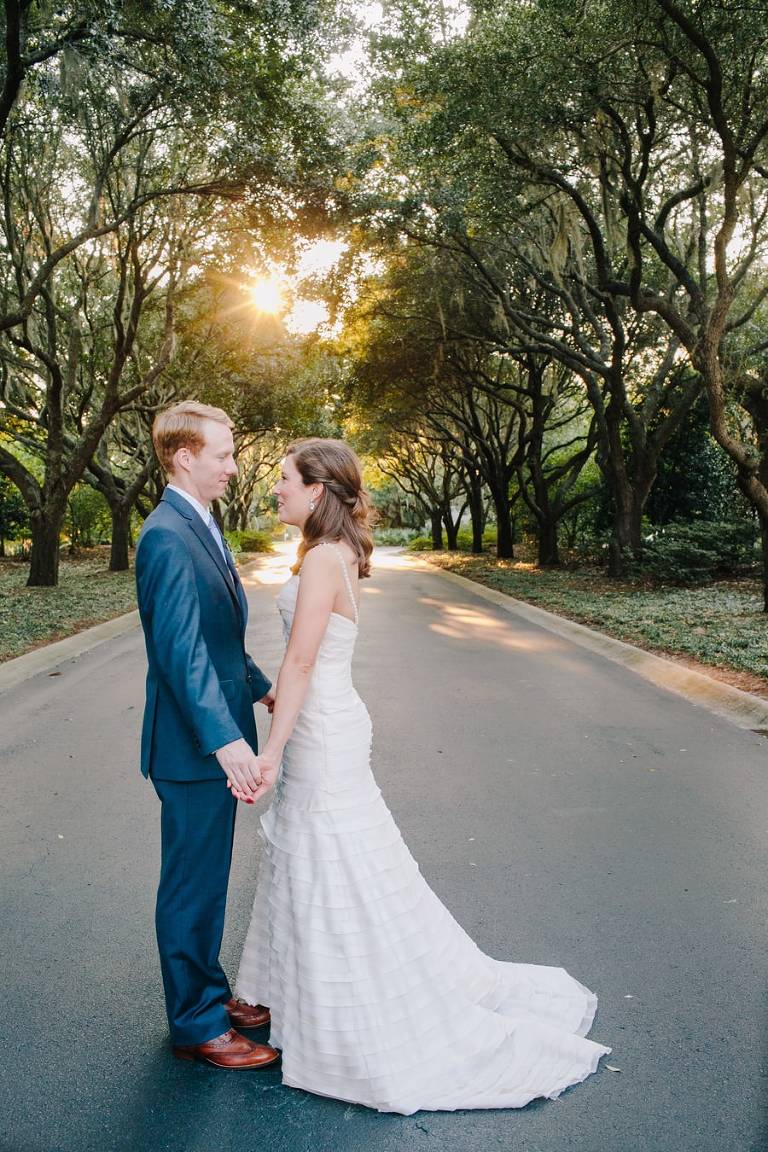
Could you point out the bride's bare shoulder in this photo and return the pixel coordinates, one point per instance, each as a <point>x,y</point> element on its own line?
<point>330,551</point>
<point>318,561</point>
<point>347,551</point>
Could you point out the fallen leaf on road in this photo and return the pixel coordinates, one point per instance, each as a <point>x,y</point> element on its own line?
<point>611,1068</point>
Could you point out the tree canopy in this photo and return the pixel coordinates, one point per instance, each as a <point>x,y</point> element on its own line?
<point>551,222</point>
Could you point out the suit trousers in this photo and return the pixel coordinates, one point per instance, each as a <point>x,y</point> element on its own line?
<point>197,825</point>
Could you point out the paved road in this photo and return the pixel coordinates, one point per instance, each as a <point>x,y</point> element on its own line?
<point>566,811</point>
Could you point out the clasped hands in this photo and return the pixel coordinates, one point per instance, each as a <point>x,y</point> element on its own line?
<point>248,776</point>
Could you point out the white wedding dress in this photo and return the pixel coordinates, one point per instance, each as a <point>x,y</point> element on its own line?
<point>377,995</point>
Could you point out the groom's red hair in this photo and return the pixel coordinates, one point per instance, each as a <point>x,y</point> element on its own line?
<point>182,426</point>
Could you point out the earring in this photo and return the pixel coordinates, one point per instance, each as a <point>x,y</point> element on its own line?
<point>311,505</point>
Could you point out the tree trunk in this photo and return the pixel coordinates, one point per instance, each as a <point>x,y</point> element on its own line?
<point>505,539</point>
<point>236,515</point>
<point>764,540</point>
<point>452,532</point>
<point>436,522</point>
<point>121,535</point>
<point>541,506</point>
<point>549,551</point>
<point>755,487</point>
<point>619,548</point>
<point>477,533</point>
<point>44,558</point>
<point>625,536</point>
<point>505,536</point>
<point>476,512</point>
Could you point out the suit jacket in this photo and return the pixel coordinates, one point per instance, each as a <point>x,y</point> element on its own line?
<point>201,683</point>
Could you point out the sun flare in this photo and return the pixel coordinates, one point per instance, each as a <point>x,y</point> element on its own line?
<point>268,295</point>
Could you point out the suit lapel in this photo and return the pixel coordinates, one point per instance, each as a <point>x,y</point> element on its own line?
<point>206,539</point>
<point>241,597</point>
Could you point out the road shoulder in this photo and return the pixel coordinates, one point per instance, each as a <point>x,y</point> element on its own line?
<point>742,708</point>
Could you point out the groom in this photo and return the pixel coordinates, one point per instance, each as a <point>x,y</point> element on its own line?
<point>198,740</point>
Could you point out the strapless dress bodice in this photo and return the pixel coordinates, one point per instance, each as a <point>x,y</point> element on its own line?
<point>331,684</point>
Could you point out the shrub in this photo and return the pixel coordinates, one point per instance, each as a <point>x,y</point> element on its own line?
<point>696,553</point>
<point>88,520</point>
<point>14,517</point>
<point>463,540</point>
<point>421,544</point>
<point>254,541</point>
<point>392,536</point>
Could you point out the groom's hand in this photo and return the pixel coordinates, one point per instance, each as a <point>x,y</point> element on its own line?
<point>241,768</point>
<point>268,701</point>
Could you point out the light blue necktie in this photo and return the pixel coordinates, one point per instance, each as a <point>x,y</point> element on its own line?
<point>213,528</point>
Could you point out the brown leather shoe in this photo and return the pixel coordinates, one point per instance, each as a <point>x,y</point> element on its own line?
<point>230,1050</point>
<point>245,1015</point>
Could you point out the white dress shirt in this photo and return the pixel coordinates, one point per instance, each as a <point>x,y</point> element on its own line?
<point>207,518</point>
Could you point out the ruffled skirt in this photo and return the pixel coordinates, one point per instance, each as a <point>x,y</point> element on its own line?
<point>378,996</point>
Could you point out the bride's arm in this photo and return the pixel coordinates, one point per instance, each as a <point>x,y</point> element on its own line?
<point>317,592</point>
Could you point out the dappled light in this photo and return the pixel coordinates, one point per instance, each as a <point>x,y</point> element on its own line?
<point>465,623</point>
<point>392,558</point>
<point>273,567</point>
<point>464,614</point>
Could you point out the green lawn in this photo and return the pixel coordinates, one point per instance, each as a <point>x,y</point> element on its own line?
<point>87,594</point>
<point>721,625</point>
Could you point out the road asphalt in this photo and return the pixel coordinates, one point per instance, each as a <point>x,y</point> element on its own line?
<point>567,810</point>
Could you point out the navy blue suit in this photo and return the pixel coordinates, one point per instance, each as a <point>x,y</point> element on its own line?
<point>201,685</point>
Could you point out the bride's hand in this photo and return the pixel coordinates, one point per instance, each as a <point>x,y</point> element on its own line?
<point>269,767</point>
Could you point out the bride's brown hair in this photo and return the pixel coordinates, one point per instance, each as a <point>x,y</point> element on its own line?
<point>344,510</point>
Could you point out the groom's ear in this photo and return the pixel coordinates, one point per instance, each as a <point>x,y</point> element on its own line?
<point>181,459</point>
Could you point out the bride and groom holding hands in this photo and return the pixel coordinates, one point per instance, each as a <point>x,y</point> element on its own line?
<point>374,993</point>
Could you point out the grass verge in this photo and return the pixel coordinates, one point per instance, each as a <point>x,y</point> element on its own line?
<point>719,628</point>
<point>87,594</point>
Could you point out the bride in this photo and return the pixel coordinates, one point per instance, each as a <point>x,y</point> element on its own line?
<point>377,996</point>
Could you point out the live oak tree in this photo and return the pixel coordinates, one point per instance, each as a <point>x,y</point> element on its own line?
<point>135,117</point>
<point>84,352</point>
<point>424,343</point>
<point>644,127</point>
<point>121,469</point>
<point>494,160</point>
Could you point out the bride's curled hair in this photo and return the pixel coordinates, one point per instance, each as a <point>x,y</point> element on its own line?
<point>344,510</point>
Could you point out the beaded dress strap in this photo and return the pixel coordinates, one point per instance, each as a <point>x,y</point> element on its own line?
<point>347,580</point>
